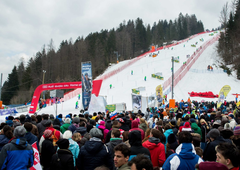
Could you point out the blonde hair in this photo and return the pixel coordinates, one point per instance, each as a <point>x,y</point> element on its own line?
<point>76,137</point>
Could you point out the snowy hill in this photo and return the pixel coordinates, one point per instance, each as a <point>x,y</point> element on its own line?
<point>197,79</point>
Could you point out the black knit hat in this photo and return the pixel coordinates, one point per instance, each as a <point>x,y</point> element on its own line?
<point>171,138</point>
<point>63,143</point>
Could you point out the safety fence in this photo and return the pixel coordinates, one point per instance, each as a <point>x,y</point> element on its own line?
<point>181,72</point>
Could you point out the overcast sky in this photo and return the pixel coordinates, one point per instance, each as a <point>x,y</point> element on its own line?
<point>26,25</point>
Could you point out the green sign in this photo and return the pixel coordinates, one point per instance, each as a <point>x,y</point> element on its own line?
<point>135,91</point>
<point>156,76</point>
<point>111,108</point>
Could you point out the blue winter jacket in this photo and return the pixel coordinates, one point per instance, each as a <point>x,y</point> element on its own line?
<point>31,138</point>
<point>3,141</point>
<point>17,155</point>
<point>166,134</point>
<point>185,158</point>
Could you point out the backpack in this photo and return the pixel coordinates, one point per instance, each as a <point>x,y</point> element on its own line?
<point>54,137</point>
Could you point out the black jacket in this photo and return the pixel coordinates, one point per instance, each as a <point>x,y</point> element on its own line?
<point>136,144</point>
<point>124,127</point>
<point>62,160</point>
<point>48,150</point>
<point>41,128</point>
<point>112,144</point>
<point>209,153</point>
<point>94,154</point>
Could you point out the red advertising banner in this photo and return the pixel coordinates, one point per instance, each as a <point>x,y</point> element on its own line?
<point>55,86</point>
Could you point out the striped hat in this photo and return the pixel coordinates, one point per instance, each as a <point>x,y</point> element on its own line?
<point>236,130</point>
<point>47,133</point>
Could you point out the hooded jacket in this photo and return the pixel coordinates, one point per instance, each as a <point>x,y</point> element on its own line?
<point>113,142</point>
<point>209,153</point>
<point>66,160</point>
<point>166,134</point>
<point>136,145</point>
<point>157,151</point>
<point>185,158</point>
<point>73,127</point>
<point>64,127</point>
<point>134,126</point>
<point>196,129</point>
<point>3,141</point>
<point>81,130</point>
<point>17,154</point>
<point>143,126</point>
<point>31,138</point>
<point>103,129</point>
<point>94,154</point>
<point>41,128</point>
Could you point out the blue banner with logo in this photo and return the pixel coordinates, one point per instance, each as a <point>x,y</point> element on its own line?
<point>86,83</point>
<point>11,111</point>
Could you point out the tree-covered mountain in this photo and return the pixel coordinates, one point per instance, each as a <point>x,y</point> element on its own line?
<point>129,39</point>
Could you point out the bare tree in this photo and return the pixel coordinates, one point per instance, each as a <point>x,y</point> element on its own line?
<point>223,19</point>
<point>233,7</point>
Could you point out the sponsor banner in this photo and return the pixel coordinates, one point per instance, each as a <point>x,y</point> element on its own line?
<point>36,163</point>
<point>135,91</point>
<point>136,101</point>
<point>159,93</point>
<point>11,111</point>
<point>223,94</point>
<point>111,108</point>
<point>86,83</point>
<point>157,76</point>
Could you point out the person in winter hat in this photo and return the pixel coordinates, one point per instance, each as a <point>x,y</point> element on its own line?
<point>136,145</point>
<point>73,146</point>
<point>47,149</point>
<point>17,154</point>
<point>186,127</point>
<point>156,148</point>
<point>209,153</point>
<point>232,121</point>
<point>210,165</point>
<point>135,127</point>
<point>103,129</point>
<point>63,159</point>
<point>171,145</point>
<point>236,137</point>
<point>94,153</point>
<point>65,126</point>
<point>167,132</point>
<point>185,156</point>
<point>195,127</point>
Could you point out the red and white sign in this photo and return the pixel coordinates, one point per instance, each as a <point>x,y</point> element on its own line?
<point>36,164</point>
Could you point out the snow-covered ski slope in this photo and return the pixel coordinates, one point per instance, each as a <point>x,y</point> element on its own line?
<point>197,79</point>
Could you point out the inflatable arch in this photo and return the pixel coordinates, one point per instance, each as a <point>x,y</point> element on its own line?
<point>56,86</point>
